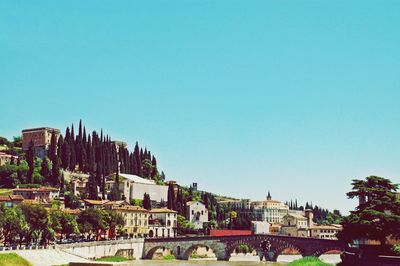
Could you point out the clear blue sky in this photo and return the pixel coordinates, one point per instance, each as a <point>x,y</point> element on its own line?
<point>295,97</point>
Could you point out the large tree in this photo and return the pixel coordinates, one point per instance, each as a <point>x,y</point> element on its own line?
<point>378,213</point>
<point>30,159</point>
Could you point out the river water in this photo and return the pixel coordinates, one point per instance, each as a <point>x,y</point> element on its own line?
<point>234,261</point>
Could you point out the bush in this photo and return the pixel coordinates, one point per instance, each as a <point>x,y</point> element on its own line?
<point>308,261</point>
<point>12,259</point>
<point>169,257</point>
<point>396,249</point>
<point>113,259</point>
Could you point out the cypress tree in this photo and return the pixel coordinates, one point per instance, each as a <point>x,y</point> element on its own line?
<point>53,146</point>
<point>171,197</point>
<point>154,167</point>
<point>92,187</point>
<point>19,172</point>
<point>146,201</point>
<point>30,159</point>
<point>62,181</point>
<point>45,170</point>
<point>65,154</point>
<point>60,143</point>
<point>72,161</point>
<point>55,172</point>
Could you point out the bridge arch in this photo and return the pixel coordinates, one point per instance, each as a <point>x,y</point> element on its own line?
<point>150,253</point>
<point>321,251</point>
<point>189,251</point>
<point>231,247</point>
<point>277,250</point>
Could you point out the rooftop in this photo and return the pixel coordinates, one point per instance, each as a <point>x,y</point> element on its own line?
<point>137,179</point>
<point>95,202</point>
<point>162,210</point>
<point>41,189</point>
<point>41,128</point>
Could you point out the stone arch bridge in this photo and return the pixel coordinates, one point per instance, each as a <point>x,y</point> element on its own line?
<point>223,247</point>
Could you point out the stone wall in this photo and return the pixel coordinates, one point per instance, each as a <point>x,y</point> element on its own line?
<point>98,249</point>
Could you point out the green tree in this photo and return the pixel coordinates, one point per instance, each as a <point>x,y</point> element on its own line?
<point>45,169</point>
<point>146,201</point>
<point>378,214</point>
<point>13,224</point>
<point>171,197</point>
<point>30,159</point>
<point>37,219</point>
<point>114,221</point>
<point>92,221</point>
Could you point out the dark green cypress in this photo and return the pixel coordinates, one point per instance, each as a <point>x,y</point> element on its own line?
<point>45,170</point>
<point>53,146</point>
<point>30,159</point>
<point>55,172</point>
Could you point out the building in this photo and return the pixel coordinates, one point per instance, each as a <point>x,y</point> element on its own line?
<point>196,213</point>
<point>136,218</point>
<point>270,210</point>
<point>325,231</point>
<point>295,225</point>
<point>162,223</point>
<point>260,227</point>
<point>41,138</point>
<point>133,187</point>
<point>43,194</point>
<point>235,203</point>
<point>7,158</point>
<point>11,200</point>
<point>119,144</point>
<point>95,204</point>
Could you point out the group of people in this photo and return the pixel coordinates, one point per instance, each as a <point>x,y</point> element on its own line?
<point>265,251</point>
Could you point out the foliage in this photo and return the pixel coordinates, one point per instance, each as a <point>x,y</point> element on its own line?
<point>92,221</point>
<point>396,249</point>
<point>12,259</point>
<point>378,214</point>
<point>308,261</point>
<point>114,221</point>
<point>113,259</point>
<point>146,201</point>
<point>70,200</point>
<point>169,257</point>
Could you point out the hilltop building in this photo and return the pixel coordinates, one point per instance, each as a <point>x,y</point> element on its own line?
<point>7,158</point>
<point>235,203</point>
<point>270,210</point>
<point>133,187</point>
<point>43,194</point>
<point>196,213</point>
<point>41,138</point>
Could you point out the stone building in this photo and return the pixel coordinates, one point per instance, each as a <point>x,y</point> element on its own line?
<point>297,224</point>
<point>43,194</point>
<point>7,158</point>
<point>41,138</point>
<point>162,223</point>
<point>134,187</point>
<point>136,218</point>
<point>270,210</point>
<point>196,213</point>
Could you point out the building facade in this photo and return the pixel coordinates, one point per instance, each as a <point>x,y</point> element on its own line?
<point>43,194</point>
<point>270,210</point>
<point>134,187</point>
<point>7,158</point>
<point>196,213</point>
<point>162,223</point>
<point>41,138</point>
<point>136,218</point>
